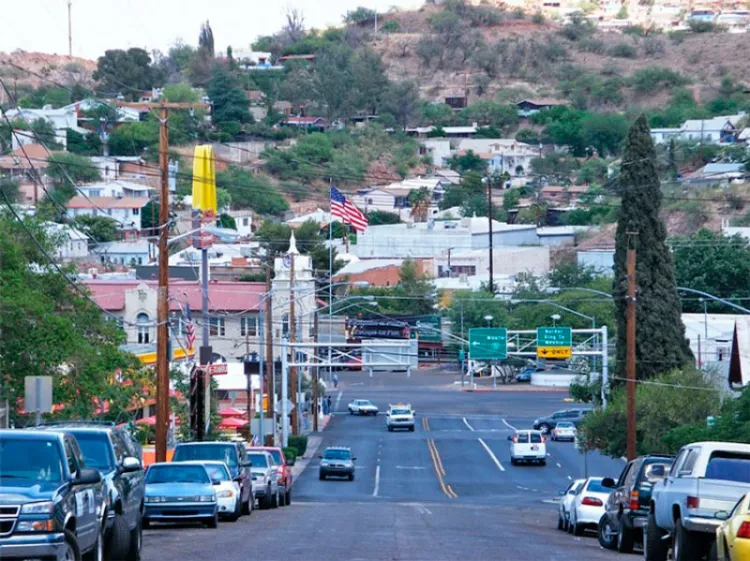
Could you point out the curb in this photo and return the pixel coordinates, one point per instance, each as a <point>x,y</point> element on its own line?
<point>509,390</point>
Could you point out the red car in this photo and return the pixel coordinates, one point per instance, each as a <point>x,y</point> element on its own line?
<point>284,468</point>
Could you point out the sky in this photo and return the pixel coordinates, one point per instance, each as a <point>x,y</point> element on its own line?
<point>42,25</point>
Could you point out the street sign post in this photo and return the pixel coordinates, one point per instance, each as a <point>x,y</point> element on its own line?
<point>554,342</point>
<point>38,396</point>
<point>488,343</point>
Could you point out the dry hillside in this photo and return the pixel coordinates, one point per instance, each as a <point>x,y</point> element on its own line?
<point>59,69</point>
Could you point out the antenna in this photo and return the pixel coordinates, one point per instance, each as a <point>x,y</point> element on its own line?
<point>70,28</point>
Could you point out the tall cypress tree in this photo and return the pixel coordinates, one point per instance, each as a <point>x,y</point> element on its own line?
<point>660,333</point>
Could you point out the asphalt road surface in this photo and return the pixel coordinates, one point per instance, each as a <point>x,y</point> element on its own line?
<point>446,491</point>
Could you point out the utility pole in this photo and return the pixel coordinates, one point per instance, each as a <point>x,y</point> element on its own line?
<point>292,339</point>
<point>630,351</point>
<point>489,216</point>
<point>316,374</point>
<point>70,28</point>
<point>270,368</point>
<point>449,262</point>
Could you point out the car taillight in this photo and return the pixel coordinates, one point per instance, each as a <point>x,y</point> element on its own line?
<point>515,440</point>
<point>634,503</point>
<point>591,501</point>
<point>744,531</point>
<point>544,440</point>
<point>693,502</point>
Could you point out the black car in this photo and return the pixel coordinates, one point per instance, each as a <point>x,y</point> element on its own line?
<point>337,461</point>
<point>115,453</point>
<point>233,454</point>
<point>546,424</point>
<point>626,510</point>
<point>51,504</point>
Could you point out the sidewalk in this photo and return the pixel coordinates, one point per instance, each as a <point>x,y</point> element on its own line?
<point>314,440</point>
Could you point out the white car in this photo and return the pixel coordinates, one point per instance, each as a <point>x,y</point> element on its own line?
<point>265,478</point>
<point>564,431</point>
<point>566,501</point>
<point>400,416</point>
<point>588,506</point>
<point>363,407</point>
<point>528,446</point>
<point>228,494</point>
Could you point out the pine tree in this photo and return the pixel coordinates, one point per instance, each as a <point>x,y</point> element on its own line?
<point>660,334</point>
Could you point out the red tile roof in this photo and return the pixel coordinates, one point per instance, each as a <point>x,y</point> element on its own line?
<point>17,159</point>
<point>107,202</point>
<point>223,296</point>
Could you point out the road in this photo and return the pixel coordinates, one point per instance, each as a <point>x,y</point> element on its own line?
<point>445,491</point>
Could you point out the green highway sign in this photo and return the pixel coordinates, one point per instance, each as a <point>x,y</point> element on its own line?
<point>554,336</point>
<point>488,343</point>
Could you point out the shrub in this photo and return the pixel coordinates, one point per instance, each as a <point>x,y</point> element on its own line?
<point>677,37</point>
<point>538,18</point>
<point>299,443</point>
<point>635,31</point>
<point>623,50</point>
<point>578,28</point>
<point>697,26</point>
<point>390,26</point>
<point>592,45</point>
<point>530,136</point>
<point>656,77</point>
<point>653,46</point>
<point>290,453</point>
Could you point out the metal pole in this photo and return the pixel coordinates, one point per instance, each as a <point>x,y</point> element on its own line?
<point>605,367</point>
<point>38,384</point>
<point>492,372</point>
<point>705,319</point>
<point>630,353</point>
<point>262,378</point>
<point>70,28</point>
<point>316,373</point>
<point>489,214</point>
<point>330,287</point>
<point>162,312</point>
<point>270,366</point>
<point>292,339</point>
<point>284,395</point>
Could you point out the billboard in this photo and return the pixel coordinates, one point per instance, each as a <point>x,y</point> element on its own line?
<point>376,329</point>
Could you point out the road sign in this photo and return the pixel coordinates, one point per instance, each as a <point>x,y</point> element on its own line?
<point>554,336</point>
<point>220,369</point>
<point>554,352</point>
<point>37,397</point>
<point>488,343</point>
<point>278,407</point>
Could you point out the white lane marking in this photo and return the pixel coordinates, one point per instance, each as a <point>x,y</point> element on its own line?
<point>468,425</point>
<point>507,424</point>
<point>410,467</point>
<point>570,478</point>
<point>522,488</point>
<point>558,464</point>
<point>338,400</point>
<point>494,458</point>
<point>357,384</point>
<point>421,509</point>
<point>377,482</point>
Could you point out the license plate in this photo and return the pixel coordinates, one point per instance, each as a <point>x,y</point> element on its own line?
<point>535,447</point>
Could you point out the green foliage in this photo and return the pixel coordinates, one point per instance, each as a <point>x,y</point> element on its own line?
<point>226,221</point>
<point>653,46</point>
<point>468,162</point>
<point>98,228</point>
<point>471,196</point>
<point>380,217</point>
<point>652,79</point>
<point>130,139</point>
<point>360,16</point>
<point>390,26</point>
<point>414,295</point>
<point>290,453</point>
<point>623,50</point>
<point>299,443</point>
<point>538,18</point>
<point>274,237</point>
<point>592,171</point>
<point>10,189</point>
<point>251,191</point>
<point>44,95</point>
<point>230,107</point>
<point>681,107</point>
<point>83,145</point>
<point>370,80</point>
<point>401,103</point>
<point>557,167</point>
<point>571,274</point>
<point>660,334</point>
<point>699,26</point>
<point>67,170</point>
<point>468,307</point>
<point>296,191</point>
<point>592,45</point>
<point>530,136</point>
<point>502,117</point>
<point>181,93</point>
<point>437,114</point>
<point>685,398</point>
<point>577,28</point>
<point>125,72</point>
<point>605,132</point>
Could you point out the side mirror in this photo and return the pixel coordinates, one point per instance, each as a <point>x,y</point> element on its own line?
<point>130,464</point>
<point>561,493</point>
<point>510,438</point>
<point>237,480</point>
<point>608,483</point>
<point>215,482</point>
<point>246,464</point>
<point>291,461</point>
<point>87,476</point>
<point>722,515</point>
<point>657,471</point>
<point>354,459</point>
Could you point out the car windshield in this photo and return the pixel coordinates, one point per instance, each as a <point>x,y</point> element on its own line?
<point>535,437</point>
<point>595,486</point>
<point>565,425</point>
<point>729,467</point>
<point>32,460</point>
<point>218,472</point>
<point>522,437</point>
<point>96,450</point>
<point>176,473</point>
<point>337,455</point>
<point>648,471</point>
<point>196,452</point>
<point>276,455</point>
<point>400,411</point>
<point>258,460</point>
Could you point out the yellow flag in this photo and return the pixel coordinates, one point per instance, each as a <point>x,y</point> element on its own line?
<point>204,179</point>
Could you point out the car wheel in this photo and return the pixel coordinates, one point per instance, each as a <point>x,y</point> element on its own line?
<point>351,477</point>
<point>70,548</point>
<point>247,507</point>
<point>578,530</point>
<point>275,499</point>
<point>322,476</point>
<point>654,547</point>
<point>136,542</point>
<point>288,498</point>
<point>411,428</point>
<point>145,524</point>
<point>213,522</point>
<point>624,538</point>
<point>390,429</point>
<point>545,428</point>
<point>118,542</point>
<point>97,552</point>
<point>566,523</point>
<point>684,543</point>
<point>351,411</point>
<point>282,496</point>
<point>266,504</point>
<point>513,461</point>
<point>605,533</point>
<point>560,523</point>
<point>237,511</point>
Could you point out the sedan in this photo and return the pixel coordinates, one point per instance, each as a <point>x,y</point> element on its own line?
<point>566,502</point>
<point>363,407</point>
<point>733,536</point>
<point>179,492</point>
<point>588,506</point>
<point>227,489</point>
<point>564,431</point>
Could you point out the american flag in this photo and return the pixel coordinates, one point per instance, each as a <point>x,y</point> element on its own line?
<point>343,208</point>
<point>189,327</point>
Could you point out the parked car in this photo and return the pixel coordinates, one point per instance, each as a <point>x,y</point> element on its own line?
<point>51,504</point>
<point>337,461</point>
<point>525,375</point>
<point>565,430</point>
<point>546,424</point>
<point>706,478</point>
<point>233,454</point>
<point>588,506</point>
<point>626,509</point>
<point>284,469</point>
<point>180,492</point>
<point>528,446</point>
<point>733,536</point>
<point>265,479</point>
<point>115,453</point>
<point>566,501</point>
<point>362,407</point>
<point>227,489</point>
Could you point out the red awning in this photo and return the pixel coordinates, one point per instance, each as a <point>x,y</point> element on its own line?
<point>231,412</point>
<point>232,423</point>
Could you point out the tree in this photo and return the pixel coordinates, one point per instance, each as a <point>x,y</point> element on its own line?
<point>250,191</point>
<point>413,296</point>
<point>660,335</point>
<point>492,114</point>
<point>45,133</point>
<point>98,228</point>
<point>333,82</point>
<point>125,72</point>
<point>130,139</point>
<point>468,162</point>
<point>370,80</point>
<point>65,168</point>
<point>360,16</point>
<point>203,63</point>
<point>467,309</point>
<point>401,102</point>
<point>181,93</point>
<point>605,132</point>
<point>230,107</point>
<point>380,217</point>
<point>150,218</point>
<point>10,189</point>
<point>84,145</point>
<point>713,263</point>
<point>274,238</point>
<point>206,39</point>
<point>571,274</point>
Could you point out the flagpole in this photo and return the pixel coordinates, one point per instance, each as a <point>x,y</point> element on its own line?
<point>330,275</point>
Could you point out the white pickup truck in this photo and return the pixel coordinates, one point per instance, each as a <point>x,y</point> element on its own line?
<point>706,478</point>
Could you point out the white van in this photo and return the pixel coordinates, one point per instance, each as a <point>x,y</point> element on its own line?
<point>528,446</point>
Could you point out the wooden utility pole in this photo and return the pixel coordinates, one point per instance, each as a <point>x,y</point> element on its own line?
<point>316,373</point>
<point>270,377</point>
<point>70,28</point>
<point>292,339</point>
<point>630,350</point>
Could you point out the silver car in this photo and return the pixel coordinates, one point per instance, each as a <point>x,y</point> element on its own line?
<point>265,479</point>
<point>566,502</point>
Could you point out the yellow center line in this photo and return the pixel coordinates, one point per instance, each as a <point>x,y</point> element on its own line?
<point>439,469</point>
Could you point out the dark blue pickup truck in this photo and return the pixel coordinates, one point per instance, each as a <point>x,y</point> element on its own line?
<point>51,505</point>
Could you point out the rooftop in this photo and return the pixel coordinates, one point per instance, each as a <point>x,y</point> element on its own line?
<point>364,265</point>
<point>107,202</point>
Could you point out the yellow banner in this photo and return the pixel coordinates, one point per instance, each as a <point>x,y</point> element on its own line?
<point>554,352</point>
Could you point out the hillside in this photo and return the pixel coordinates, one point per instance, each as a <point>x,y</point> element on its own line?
<point>57,69</point>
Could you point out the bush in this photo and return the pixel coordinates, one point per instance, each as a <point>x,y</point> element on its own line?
<point>623,50</point>
<point>578,28</point>
<point>538,18</point>
<point>290,453</point>
<point>299,443</point>
<point>592,45</point>
<point>652,78</point>
<point>390,26</point>
<point>653,46</point>
<point>530,136</point>
<point>697,26</point>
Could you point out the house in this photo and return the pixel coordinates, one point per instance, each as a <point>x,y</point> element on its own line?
<point>563,195</point>
<point>506,260</point>
<point>246,59</point>
<point>322,217</point>
<point>664,135</point>
<point>715,130</point>
<point>456,100</point>
<point>376,272</point>
<point>716,174</point>
<point>71,243</point>
<point>394,198</point>
<point>502,154</point>
<point>243,219</point>
<point>130,253</point>
<point>27,165</point>
<point>744,136</point>
<point>299,58</point>
<point>708,16</point>
<point>528,107</point>
<point>219,255</point>
<point>61,120</point>
<point>317,123</point>
<point>467,131</point>
<point>437,149</point>
<point>122,167</point>
<point>116,189</point>
<point>449,176</point>
<point>560,235</point>
<point>125,211</point>
<point>603,260</point>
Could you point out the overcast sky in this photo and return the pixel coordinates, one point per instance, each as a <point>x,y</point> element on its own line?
<point>42,25</point>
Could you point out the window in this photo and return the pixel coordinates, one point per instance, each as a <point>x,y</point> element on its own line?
<point>217,328</point>
<point>689,463</point>
<point>729,466</point>
<point>136,211</point>
<point>143,329</point>
<point>249,326</point>
<point>245,221</point>
<point>285,325</point>
<point>677,462</point>
<point>70,457</point>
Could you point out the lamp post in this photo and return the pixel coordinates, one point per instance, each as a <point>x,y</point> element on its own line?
<point>555,319</point>
<point>488,319</point>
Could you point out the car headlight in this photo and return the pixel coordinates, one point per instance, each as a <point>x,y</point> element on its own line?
<point>46,507</point>
<point>349,464</point>
<point>48,525</point>
<point>205,498</point>
<point>323,463</point>
<point>225,494</point>
<point>155,499</point>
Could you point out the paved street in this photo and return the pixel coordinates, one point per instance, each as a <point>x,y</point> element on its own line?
<point>445,491</point>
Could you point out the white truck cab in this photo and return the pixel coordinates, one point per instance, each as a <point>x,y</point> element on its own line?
<point>400,416</point>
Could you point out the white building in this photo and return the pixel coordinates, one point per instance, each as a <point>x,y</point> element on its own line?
<point>508,261</point>
<point>132,253</point>
<point>438,149</point>
<point>560,235</point>
<point>603,260</point>
<point>116,189</point>
<point>61,119</point>
<point>71,242</point>
<point>125,211</point>
<point>717,130</point>
<point>322,217</point>
<point>219,255</point>
<point>305,299</point>
<point>394,198</point>
<point>502,154</point>
<point>243,219</point>
<point>710,337</point>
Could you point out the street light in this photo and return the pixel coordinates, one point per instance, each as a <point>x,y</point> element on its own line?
<point>556,305</point>
<point>555,319</point>
<point>488,319</point>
